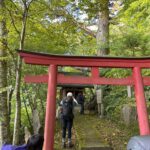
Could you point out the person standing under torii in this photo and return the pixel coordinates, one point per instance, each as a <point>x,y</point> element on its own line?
<point>67,116</point>
<point>80,100</point>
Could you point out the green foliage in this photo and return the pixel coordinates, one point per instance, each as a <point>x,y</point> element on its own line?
<point>51,28</point>
<point>115,97</point>
<point>136,12</point>
<point>116,73</point>
<point>130,36</point>
<point>130,42</point>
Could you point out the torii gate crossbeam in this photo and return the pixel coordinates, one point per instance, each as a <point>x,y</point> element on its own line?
<point>53,78</point>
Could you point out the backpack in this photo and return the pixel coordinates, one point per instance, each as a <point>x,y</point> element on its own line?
<point>67,109</point>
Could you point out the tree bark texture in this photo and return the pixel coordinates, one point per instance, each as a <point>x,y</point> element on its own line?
<point>10,93</point>
<point>17,122</point>
<point>4,121</point>
<point>102,36</point>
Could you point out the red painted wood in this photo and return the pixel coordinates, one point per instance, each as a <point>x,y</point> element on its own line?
<point>146,80</point>
<point>117,62</point>
<point>140,102</point>
<point>93,80</point>
<point>36,79</point>
<point>50,109</point>
<point>95,72</point>
<point>62,79</point>
<point>86,63</point>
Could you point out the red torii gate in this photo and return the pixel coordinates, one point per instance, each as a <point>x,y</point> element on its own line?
<point>53,78</point>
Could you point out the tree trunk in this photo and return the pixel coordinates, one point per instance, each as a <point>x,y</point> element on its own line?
<point>17,122</point>
<point>102,38</point>
<point>9,102</point>
<point>4,123</point>
<point>103,30</point>
<point>28,116</point>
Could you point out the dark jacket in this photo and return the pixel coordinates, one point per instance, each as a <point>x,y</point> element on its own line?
<point>80,99</point>
<point>67,108</point>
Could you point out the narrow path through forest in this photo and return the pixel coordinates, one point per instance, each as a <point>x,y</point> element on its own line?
<point>91,133</point>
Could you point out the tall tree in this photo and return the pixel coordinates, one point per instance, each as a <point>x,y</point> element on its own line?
<point>103,29</point>
<point>102,38</point>
<point>4,123</point>
<point>85,14</point>
<point>17,122</point>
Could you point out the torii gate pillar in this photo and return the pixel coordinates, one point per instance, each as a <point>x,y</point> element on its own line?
<point>50,108</point>
<point>141,102</point>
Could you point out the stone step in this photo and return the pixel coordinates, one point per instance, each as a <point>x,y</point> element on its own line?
<point>94,144</point>
<point>87,135</point>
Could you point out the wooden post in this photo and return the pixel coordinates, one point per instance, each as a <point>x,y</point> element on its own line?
<point>50,109</point>
<point>140,102</point>
<point>99,97</point>
<point>129,91</point>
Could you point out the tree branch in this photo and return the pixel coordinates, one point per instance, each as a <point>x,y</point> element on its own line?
<point>12,21</point>
<point>12,55</point>
<point>27,4</point>
<point>14,4</point>
<point>63,12</point>
<point>81,25</point>
<point>84,28</point>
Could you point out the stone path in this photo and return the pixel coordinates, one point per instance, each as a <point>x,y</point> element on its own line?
<point>84,134</point>
<point>88,137</point>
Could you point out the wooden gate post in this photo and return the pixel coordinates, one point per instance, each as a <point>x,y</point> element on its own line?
<point>50,109</point>
<point>141,102</point>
